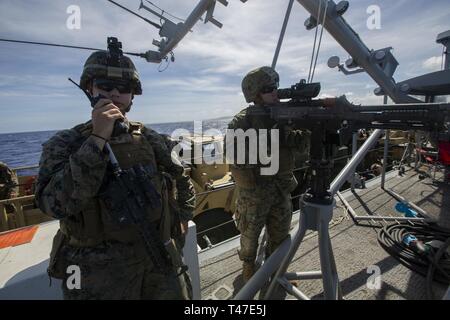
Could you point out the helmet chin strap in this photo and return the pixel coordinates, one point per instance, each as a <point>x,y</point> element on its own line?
<point>129,107</point>
<point>131,103</point>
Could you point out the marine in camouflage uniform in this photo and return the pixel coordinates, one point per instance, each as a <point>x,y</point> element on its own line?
<point>75,170</point>
<point>9,185</point>
<point>264,200</point>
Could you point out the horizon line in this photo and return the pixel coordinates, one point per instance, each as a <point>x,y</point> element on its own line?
<point>149,124</point>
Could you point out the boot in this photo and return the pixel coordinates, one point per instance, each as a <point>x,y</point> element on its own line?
<point>248,269</point>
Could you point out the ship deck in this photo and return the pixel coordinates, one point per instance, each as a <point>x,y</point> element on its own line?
<point>23,268</point>
<point>354,244</point>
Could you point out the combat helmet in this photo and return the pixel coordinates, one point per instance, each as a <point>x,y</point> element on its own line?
<point>256,80</point>
<point>112,65</point>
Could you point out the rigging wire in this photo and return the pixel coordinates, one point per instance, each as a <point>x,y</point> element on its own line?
<point>132,12</point>
<point>314,45</point>
<point>282,32</point>
<point>162,68</point>
<point>64,46</point>
<point>172,58</point>
<point>142,55</point>
<point>164,11</point>
<point>320,40</point>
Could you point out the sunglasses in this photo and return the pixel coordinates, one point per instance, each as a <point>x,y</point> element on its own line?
<point>269,89</point>
<point>109,85</point>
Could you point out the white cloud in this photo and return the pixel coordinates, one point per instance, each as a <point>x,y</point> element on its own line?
<point>432,64</point>
<point>367,99</point>
<point>193,84</point>
<point>205,79</point>
<point>24,94</point>
<point>52,81</point>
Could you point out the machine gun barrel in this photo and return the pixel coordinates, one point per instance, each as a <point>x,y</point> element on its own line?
<point>336,111</point>
<point>429,107</point>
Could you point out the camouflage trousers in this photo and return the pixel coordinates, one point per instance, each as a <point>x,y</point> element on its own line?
<point>256,208</point>
<point>128,279</point>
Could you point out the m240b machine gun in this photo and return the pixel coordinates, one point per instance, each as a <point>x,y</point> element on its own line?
<point>333,120</point>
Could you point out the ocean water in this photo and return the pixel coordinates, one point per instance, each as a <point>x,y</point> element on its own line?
<point>24,149</point>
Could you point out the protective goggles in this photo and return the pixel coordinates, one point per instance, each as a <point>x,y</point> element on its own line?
<point>269,89</point>
<point>109,85</point>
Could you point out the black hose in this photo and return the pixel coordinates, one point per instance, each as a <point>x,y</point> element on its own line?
<point>432,264</point>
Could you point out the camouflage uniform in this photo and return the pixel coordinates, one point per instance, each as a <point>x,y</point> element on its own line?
<point>112,258</point>
<point>9,186</point>
<point>72,171</point>
<point>8,183</point>
<point>264,200</point>
<point>268,201</point>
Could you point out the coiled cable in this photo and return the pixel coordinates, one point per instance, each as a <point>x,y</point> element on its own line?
<point>412,246</point>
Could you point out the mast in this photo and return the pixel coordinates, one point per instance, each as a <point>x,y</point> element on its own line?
<point>341,31</point>
<point>444,39</point>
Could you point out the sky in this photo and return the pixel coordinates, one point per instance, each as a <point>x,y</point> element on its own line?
<point>204,81</point>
